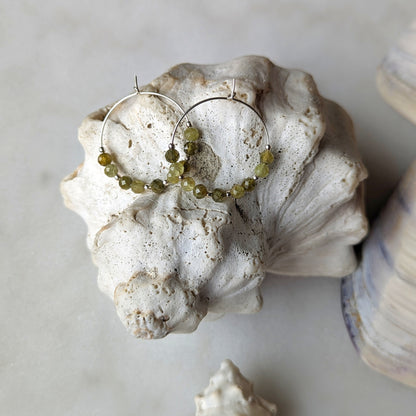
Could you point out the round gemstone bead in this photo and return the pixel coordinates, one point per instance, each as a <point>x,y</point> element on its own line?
<point>261,170</point>
<point>172,155</point>
<point>218,195</point>
<point>173,171</point>
<point>249,184</point>
<point>137,186</point>
<point>191,148</point>
<point>188,184</point>
<point>125,182</point>
<point>157,186</point>
<point>191,134</point>
<point>111,170</point>
<point>173,176</point>
<point>200,191</point>
<point>178,167</point>
<point>266,157</point>
<point>104,159</point>
<point>237,191</point>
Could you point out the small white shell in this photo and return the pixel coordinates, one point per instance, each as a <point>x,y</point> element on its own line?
<point>396,76</point>
<point>168,260</point>
<point>379,299</point>
<point>230,394</point>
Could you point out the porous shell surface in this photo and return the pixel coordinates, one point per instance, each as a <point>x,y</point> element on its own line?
<point>167,260</point>
<point>379,299</point>
<point>396,75</point>
<point>230,394</point>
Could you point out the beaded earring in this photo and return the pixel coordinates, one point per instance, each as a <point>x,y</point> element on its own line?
<point>191,135</point>
<point>172,155</point>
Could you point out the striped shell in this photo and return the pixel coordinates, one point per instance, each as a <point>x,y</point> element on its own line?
<point>379,299</point>
<point>396,76</point>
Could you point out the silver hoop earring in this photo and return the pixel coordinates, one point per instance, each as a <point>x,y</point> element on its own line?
<point>106,159</point>
<point>191,147</point>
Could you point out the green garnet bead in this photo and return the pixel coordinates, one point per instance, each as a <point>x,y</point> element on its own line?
<point>218,195</point>
<point>200,191</point>
<point>191,148</point>
<point>178,167</point>
<point>237,191</point>
<point>261,170</point>
<point>172,176</point>
<point>137,186</point>
<point>104,159</point>
<point>191,134</point>
<point>248,184</point>
<point>266,157</point>
<point>125,182</point>
<point>188,184</point>
<point>157,186</point>
<point>111,170</point>
<point>172,155</point>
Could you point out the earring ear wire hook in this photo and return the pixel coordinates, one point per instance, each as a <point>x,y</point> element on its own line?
<point>136,85</point>
<point>232,95</point>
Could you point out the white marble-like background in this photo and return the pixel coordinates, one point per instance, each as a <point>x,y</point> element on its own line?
<point>63,350</point>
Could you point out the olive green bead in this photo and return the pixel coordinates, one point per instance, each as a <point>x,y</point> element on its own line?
<point>237,191</point>
<point>218,195</point>
<point>200,191</point>
<point>125,182</point>
<point>191,134</point>
<point>104,159</point>
<point>188,184</point>
<point>249,184</point>
<point>178,167</point>
<point>137,186</point>
<point>173,172</point>
<point>172,155</point>
<point>157,186</point>
<point>266,157</point>
<point>191,148</point>
<point>111,170</point>
<point>261,170</point>
<point>173,176</point>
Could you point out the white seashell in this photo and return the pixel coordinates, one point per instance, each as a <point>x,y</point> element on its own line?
<point>230,394</point>
<point>379,299</point>
<point>396,76</point>
<point>168,260</point>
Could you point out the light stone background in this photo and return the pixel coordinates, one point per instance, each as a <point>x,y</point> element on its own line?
<point>63,350</point>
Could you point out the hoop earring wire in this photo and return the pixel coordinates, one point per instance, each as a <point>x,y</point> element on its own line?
<point>230,97</point>
<point>238,190</point>
<point>105,158</point>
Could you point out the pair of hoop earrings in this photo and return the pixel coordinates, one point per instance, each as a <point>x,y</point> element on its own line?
<point>179,169</point>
